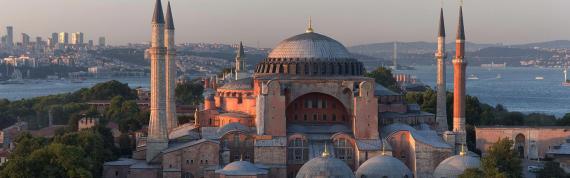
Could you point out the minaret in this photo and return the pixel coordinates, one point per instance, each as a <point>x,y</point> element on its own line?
<point>459,70</point>
<point>172,120</point>
<point>441,112</point>
<point>241,70</point>
<point>157,131</point>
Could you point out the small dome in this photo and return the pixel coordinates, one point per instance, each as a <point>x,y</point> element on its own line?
<point>241,168</point>
<point>325,166</point>
<point>454,166</point>
<point>310,45</point>
<point>383,166</point>
<point>241,84</point>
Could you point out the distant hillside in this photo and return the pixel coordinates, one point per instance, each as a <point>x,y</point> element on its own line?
<point>547,44</point>
<point>509,52</point>
<point>386,49</point>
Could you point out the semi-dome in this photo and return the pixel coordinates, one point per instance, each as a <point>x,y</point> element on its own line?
<point>310,54</point>
<point>311,46</point>
<point>325,166</point>
<point>241,168</point>
<point>383,166</point>
<point>454,166</point>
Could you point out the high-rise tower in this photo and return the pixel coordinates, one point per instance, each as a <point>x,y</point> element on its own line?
<point>172,120</point>
<point>459,70</point>
<point>157,128</point>
<point>441,112</point>
<point>241,70</point>
<point>9,37</point>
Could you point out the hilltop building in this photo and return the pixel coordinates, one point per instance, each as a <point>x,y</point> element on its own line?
<point>307,111</point>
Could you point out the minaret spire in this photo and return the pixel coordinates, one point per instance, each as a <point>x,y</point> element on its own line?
<point>441,108</point>
<point>240,68</point>
<point>158,16</point>
<point>460,28</point>
<point>441,24</point>
<point>169,20</point>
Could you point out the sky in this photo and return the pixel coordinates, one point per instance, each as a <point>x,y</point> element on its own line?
<point>264,23</point>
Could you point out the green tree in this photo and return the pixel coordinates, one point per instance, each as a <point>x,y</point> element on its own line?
<point>565,121</point>
<point>502,160</point>
<point>108,90</point>
<point>472,173</point>
<point>384,77</point>
<point>125,144</point>
<point>92,144</point>
<point>54,160</point>
<point>189,93</point>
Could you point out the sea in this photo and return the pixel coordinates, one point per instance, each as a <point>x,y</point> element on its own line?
<point>514,87</point>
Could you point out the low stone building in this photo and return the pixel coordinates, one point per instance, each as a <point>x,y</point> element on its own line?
<point>393,108</point>
<point>530,142</point>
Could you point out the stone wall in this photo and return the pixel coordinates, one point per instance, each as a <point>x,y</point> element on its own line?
<point>193,159</point>
<point>537,140</point>
<point>116,171</point>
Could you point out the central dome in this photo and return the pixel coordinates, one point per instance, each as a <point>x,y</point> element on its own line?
<point>309,55</point>
<point>310,45</point>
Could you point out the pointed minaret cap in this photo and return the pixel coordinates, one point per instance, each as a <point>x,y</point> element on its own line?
<point>310,28</point>
<point>326,153</point>
<point>240,52</point>
<point>441,24</point>
<point>158,16</point>
<point>460,29</point>
<point>169,20</point>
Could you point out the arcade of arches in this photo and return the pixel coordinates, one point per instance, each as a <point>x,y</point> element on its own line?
<point>317,108</point>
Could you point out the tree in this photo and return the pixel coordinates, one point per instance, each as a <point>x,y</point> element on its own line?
<point>108,90</point>
<point>189,93</point>
<point>384,77</point>
<point>54,160</point>
<point>472,173</point>
<point>565,121</point>
<point>551,170</point>
<point>502,160</point>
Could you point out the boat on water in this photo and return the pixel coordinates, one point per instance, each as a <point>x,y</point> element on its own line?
<point>473,77</point>
<point>78,80</point>
<point>566,82</point>
<point>498,76</point>
<point>539,78</point>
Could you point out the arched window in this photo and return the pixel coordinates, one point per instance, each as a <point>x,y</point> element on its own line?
<point>343,150</point>
<point>298,152</point>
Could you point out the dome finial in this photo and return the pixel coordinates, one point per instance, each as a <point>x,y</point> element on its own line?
<point>462,153</point>
<point>383,147</point>
<point>326,153</point>
<point>310,28</point>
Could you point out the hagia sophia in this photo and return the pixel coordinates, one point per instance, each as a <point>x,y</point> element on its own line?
<point>306,111</point>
